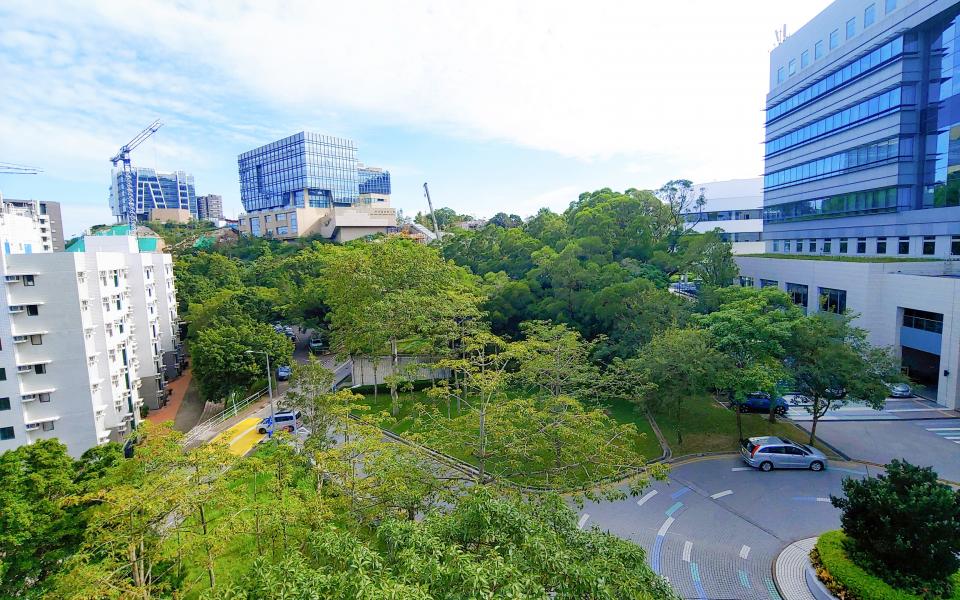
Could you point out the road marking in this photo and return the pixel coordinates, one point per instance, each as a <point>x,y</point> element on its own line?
<point>666,525</point>
<point>674,509</point>
<point>952,437</point>
<point>772,589</point>
<point>583,520</point>
<point>744,551</point>
<point>695,573</point>
<point>742,469</point>
<point>899,410</point>
<point>679,492</point>
<point>823,499</point>
<point>744,579</point>
<point>721,494</point>
<point>812,498</point>
<point>943,428</point>
<point>687,547</point>
<point>842,470</point>
<point>646,497</point>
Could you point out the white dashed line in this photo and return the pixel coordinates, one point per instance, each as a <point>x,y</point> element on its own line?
<point>951,437</point>
<point>744,551</point>
<point>823,499</point>
<point>742,469</point>
<point>666,525</point>
<point>687,547</point>
<point>583,520</point>
<point>646,497</point>
<point>721,494</point>
<point>943,428</point>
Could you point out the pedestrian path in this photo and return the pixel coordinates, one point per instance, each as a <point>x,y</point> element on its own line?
<point>948,433</point>
<point>242,437</point>
<point>894,409</point>
<point>790,570</point>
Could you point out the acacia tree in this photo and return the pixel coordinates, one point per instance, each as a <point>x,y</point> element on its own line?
<point>681,199</point>
<point>555,360</point>
<point>831,364</point>
<point>679,365</point>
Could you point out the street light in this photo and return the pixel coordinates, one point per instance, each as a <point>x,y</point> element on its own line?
<point>273,412</point>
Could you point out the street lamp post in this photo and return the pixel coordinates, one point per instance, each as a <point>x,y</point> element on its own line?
<point>273,412</point>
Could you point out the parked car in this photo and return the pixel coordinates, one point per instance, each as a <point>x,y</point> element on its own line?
<point>285,421</point>
<point>760,402</point>
<point>900,390</point>
<point>317,344</point>
<point>771,452</point>
<point>283,373</point>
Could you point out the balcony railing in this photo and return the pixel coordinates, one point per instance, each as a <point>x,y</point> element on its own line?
<point>923,324</point>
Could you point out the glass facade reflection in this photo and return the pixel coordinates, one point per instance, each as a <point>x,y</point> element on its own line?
<point>942,165</point>
<point>154,189</point>
<point>373,181</point>
<point>305,170</point>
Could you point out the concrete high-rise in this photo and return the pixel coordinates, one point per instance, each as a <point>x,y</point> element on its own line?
<point>862,177</point>
<point>210,207</point>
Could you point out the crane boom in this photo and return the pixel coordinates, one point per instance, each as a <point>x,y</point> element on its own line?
<point>12,169</point>
<point>433,217</point>
<point>128,200</point>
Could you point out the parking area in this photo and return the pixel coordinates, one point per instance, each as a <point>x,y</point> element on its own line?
<point>714,528</point>
<point>894,409</point>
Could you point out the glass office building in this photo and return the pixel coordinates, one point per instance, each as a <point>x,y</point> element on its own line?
<point>154,189</point>
<point>306,170</point>
<point>864,140</point>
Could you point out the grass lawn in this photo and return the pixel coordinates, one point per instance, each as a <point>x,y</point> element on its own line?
<point>709,427</point>
<point>645,444</point>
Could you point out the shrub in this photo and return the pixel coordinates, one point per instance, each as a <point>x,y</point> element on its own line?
<point>903,526</point>
<point>848,581</point>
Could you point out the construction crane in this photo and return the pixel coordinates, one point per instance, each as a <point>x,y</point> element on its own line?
<point>12,169</point>
<point>128,200</point>
<point>433,217</point>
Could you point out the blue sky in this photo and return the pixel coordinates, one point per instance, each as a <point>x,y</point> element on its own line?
<point>500,106</point>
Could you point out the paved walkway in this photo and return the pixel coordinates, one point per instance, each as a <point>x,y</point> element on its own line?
<point>178,390</point>
<point>790,570</point>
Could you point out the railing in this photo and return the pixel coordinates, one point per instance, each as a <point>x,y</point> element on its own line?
<point>922,323</point>
<point>203,428</point>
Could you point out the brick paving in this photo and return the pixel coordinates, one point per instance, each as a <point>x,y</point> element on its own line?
<point>178,389</point>
<point>791,567</point>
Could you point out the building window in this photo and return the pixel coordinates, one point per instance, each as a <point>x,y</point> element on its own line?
<point>843,245</point>
<point>890,6</point>
<point>834,38</point>
<point>903,245</point>
<point>869,15</point>
<point>799,245</point>
<point>4,403</point>
<point>804,59</point>
<point>881,245</point>
<point>832,300</point>
<point>40,369</point>
<point>33,310</point>
<point>36,339</point>
<point>44,397</point>
<point>798,293</point>
<point>955,245</point>
<point>28,280</point>
<point>776,245</point>
<point>827,246</point>
<point>812,246</point>
<point>851,27</point>
<point>921,319</point>
<point>781,75</point>
<point>46,426</point>
<point>792,67</point>
<point>818,50</point>
<point>769,283</point>
<point>929,245</point>
<point>6,433</point>
<point>118,303</point>
<point>861,245</point>
<point>746,281</point>
<point>3,374</point>
<point>786,245</point>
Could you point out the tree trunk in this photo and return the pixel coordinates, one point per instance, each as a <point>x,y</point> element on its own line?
<point>376,363</point>
<point>816,419</point>
<point>394,367</point>
<point>483,443</point>
<point>209,550</point>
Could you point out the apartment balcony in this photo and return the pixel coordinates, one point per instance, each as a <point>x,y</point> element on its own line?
<point>30,367</point>
<point>37,424</point>
<point>16,308</point>
<point>31,395</point>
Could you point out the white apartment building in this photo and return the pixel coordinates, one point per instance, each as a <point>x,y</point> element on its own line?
<point>83,334</point>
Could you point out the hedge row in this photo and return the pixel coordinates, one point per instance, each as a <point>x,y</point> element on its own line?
<point>847,581</point>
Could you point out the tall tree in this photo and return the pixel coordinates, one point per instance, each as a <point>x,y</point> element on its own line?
<point>681,199</point>
<point>555,360</point>
<point>221,363</point>
<point>831,364</point>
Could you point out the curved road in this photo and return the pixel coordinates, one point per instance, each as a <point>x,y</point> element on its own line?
<point>715,527</point>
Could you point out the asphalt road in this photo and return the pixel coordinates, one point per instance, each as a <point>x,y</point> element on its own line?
<point>715,527</point>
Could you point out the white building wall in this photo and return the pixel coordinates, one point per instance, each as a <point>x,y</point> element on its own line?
<point>877,292</point>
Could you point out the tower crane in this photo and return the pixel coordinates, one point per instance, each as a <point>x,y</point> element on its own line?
<point>128,199</point>
<point>12,169</point>
<point>436,228</point>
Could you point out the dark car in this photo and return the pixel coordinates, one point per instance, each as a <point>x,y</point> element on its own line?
<point>760,402</point>
<point>283,373</point>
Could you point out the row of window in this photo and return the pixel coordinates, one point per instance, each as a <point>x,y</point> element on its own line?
<point>863,111</point>
<point>835,164</point>
<point>923,320</point>
<point>839,205</point>
<point>831,299</point>
<point>837,78</point>
<point>723,215</point>
<point>928,245</point>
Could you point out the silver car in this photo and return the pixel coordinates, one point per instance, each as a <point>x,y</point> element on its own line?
<point>770,452</point>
